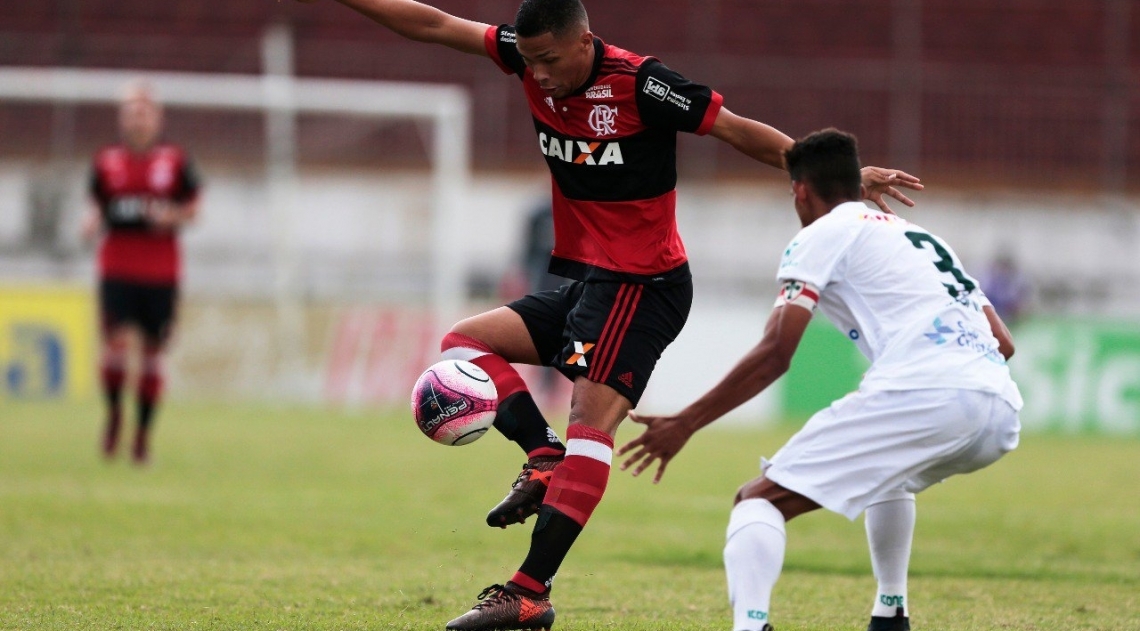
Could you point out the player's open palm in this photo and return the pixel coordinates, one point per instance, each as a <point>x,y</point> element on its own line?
<point>878,182</point>
<point>663,437</point>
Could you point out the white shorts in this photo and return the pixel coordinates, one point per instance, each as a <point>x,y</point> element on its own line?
<point>868,445</point>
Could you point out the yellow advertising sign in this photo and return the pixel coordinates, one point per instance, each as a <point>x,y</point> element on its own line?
<point>47,342</point>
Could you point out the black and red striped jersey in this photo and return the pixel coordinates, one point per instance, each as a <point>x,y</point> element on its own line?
<point>123,184</point>
<point>612,152</point>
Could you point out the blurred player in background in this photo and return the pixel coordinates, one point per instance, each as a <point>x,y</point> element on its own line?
<point>142,193</point>
<point>1008,287</point>
<point>937,401</point>
<point>606,122</point>
<point>538,243</point>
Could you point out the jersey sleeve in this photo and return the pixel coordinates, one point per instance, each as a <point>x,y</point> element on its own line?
<point>667,99</point>
<point>500,44</point>
<point>95,186</point>
<point>189,182</point>
<point>816,254</point>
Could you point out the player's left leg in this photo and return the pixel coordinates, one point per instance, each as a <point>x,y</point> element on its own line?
<point>157,327</point>
<point>614,336</point>
<point>576,488</point>
<point>151,381</point>
<point>890,532</point>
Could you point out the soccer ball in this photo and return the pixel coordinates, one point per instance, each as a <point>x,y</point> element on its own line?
<point>454,402</point>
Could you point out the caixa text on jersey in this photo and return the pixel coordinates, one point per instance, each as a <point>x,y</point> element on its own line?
<point>580,151</point>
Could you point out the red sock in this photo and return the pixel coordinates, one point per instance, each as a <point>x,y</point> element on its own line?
<point>517,416</point>
<point>112,375</point>
<point>506,378</point>
<point>150,389</point>
<point>580,481</point>
<point>575,490</point>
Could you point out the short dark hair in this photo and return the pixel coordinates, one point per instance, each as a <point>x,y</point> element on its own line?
<point>558,17</point>
<point>828,160</point>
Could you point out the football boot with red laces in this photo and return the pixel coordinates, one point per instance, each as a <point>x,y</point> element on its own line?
<point>526,494</point>
<point>504,607</point>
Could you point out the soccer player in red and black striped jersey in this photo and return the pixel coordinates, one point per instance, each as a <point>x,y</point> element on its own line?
<point>606,122</point>
<point>142,192</point>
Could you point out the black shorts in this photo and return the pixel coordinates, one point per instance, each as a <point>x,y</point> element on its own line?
<point>150,307</point>
<point>608,332</point>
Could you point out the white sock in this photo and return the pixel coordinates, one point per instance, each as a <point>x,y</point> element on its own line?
<point>890,531</point>
<point>753,558</point>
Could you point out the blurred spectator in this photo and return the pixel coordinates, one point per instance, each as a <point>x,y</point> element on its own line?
<point>531,276</point>
<point>538,243</point>
<point>1007,287</point>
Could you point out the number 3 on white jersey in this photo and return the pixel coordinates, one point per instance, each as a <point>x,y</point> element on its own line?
<point>945,263</point>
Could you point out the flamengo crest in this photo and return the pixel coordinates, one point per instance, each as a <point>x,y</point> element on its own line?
<point>161,174</point>
<point>603,120</point>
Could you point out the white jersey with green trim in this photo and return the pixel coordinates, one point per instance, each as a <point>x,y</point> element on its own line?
<point>901,295</point>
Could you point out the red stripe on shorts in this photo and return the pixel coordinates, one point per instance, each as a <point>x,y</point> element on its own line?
<point>614,332</point>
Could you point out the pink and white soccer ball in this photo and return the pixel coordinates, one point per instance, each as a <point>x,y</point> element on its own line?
<point>454,402</point>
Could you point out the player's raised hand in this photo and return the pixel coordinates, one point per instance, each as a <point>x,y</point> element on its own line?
<point>878,181</point>
<point>663,437</point>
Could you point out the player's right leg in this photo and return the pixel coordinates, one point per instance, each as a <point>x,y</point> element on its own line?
<point>114,332</point>
<point>576,488</point>
<point>754,548</point>
<point>493,341</point>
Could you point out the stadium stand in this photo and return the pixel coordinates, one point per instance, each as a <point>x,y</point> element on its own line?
<point>1042,92</point>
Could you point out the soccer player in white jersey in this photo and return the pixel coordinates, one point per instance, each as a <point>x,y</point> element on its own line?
<point>937,400</point>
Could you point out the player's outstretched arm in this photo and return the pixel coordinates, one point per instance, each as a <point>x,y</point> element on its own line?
<point>664,436</point>
<point>767,144</point>
<point>422,23</point>
<point>752,138</point>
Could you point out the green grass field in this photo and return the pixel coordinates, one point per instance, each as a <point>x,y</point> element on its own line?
<point>262,517</point>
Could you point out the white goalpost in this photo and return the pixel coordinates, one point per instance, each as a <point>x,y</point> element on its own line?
<point>282,97</point>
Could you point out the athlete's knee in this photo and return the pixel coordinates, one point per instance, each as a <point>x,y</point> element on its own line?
<point>115,351</point>
<point>893,496</point>
<point>499,331</point>
<point>790,503</point>
<point>466,327</point>
<point>748,491</point>
<point>598,406</point>
<point>456,345</point>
